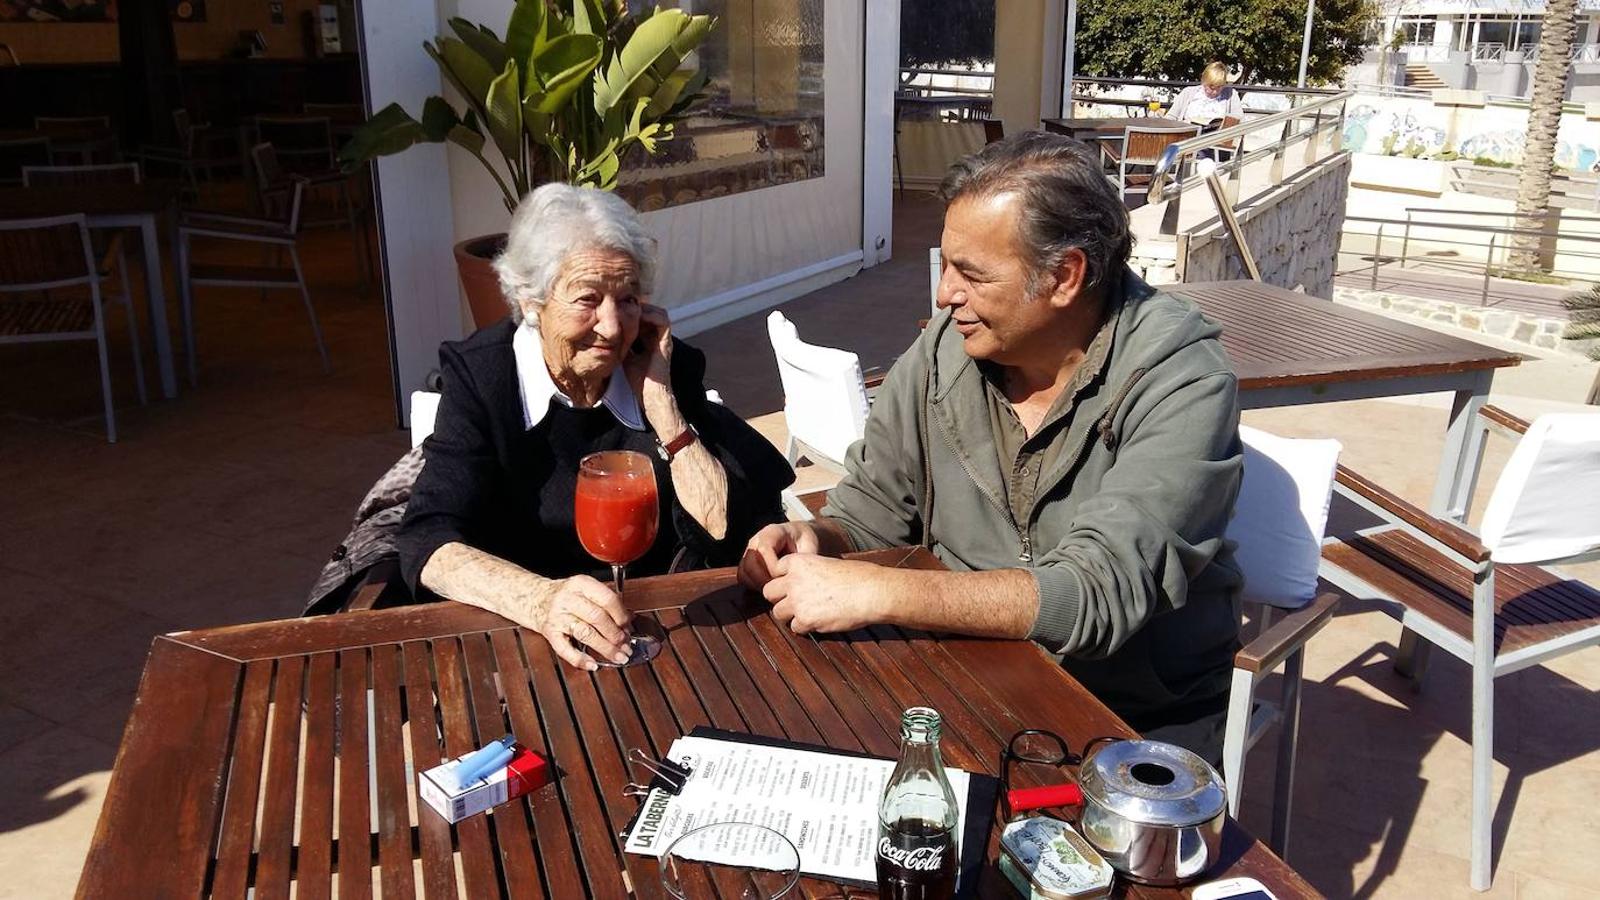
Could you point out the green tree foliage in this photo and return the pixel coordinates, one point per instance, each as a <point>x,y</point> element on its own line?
<point>946,32</point>
<point>1162,39</point>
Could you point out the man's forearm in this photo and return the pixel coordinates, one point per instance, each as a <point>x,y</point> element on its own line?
<point>458,572</point>
<point>1002,603</point>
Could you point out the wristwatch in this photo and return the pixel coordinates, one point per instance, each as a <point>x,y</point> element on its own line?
<point>671,448</point>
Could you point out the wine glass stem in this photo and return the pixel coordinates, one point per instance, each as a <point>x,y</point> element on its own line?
<point>616,578</point>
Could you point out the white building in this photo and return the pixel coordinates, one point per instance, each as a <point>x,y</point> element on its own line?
<point>1486,45</point>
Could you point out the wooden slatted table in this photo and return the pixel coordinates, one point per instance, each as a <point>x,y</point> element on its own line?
<point>263,755</point>
<point>1290,349</point>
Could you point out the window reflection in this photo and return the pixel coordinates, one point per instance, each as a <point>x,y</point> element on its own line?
<point>761,123</point>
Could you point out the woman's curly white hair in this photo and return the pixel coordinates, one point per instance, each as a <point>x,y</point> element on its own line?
<point>556,220</point>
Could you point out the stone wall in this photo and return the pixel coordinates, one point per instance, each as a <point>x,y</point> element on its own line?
<point>1541,332</point>
<point>1293,232</point>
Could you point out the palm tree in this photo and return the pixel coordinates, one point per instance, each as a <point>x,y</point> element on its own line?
<point>1584,324</point>
<point>1544,119</point>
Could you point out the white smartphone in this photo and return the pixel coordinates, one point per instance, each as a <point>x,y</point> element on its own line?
<point>1233,889</point>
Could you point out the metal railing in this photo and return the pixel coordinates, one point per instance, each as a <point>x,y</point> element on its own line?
<point>1581,53</point>
<point>1489,52</point>
<point>920,81</point>
<point>1501,240</point>
<point>1325,112</point>
<point>1425,53</point>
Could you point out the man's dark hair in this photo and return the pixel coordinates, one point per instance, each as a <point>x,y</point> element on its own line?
<point>1065,202</point>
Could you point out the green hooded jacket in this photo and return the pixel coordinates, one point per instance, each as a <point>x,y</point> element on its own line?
<point>1138,591</point>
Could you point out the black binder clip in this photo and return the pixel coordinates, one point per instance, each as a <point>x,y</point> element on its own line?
<point>666,775</point>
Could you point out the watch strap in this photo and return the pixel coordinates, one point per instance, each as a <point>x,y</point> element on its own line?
<point>671,448</point>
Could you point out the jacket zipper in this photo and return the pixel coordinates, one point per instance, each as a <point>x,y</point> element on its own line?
<point>1026,556</point>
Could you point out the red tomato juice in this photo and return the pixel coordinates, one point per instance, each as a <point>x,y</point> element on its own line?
<point>616,518</point>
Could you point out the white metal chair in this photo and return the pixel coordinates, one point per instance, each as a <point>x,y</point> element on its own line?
<point>281,233</point>
<point>1481,598</point>
<point>17,154</point>
<point>111,255</point>
<point>824,405</point>
<point>935,263</point>
<point>824,396</point>
<point>50,254</point>
<point>87,152</point>
<point>1278,523</point>
<point>272,189</point>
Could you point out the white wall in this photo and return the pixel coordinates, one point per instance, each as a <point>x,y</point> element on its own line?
<point>414,225</point>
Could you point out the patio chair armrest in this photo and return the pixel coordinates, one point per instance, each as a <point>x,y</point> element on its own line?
<point>1499,418</point>
<point>1290,634</point>
<point>380,582</point>
<point>1453,537</point>
<point>873,380</point>
<point>258,237</point>
<point>202,218</point>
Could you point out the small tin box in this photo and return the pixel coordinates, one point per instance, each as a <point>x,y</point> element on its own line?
<point>1044,859</point>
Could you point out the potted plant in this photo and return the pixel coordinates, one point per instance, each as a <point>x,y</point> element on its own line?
<point>571,90</point>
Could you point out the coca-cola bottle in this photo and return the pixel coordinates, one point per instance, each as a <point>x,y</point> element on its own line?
<point>917,818</point>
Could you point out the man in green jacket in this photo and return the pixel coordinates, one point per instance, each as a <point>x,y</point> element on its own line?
<point>1064,438</point>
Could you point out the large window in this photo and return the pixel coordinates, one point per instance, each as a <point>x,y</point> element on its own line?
<point>761,124</point>
<point>1419,30</point>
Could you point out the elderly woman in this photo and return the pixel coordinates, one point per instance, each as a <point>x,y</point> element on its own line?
<point>1210,101</point>
<point>585,364</point>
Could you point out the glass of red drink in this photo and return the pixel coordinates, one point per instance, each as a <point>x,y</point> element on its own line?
<point>616,512</point>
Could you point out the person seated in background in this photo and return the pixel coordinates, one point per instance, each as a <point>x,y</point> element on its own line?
<point>584,364</point>
<point>1208,103</point>
<point>1064,438</point>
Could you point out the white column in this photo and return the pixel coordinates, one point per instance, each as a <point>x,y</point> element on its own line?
<point>415,226</point>
<point>881,77</point>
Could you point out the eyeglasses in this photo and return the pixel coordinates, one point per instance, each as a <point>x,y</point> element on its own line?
<point>1036,746</point>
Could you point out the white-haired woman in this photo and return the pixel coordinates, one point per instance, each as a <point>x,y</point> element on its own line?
<point>584,364</point>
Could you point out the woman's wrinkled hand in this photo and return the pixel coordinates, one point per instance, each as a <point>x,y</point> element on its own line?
<point>578,612</point>
<point>650,369</point>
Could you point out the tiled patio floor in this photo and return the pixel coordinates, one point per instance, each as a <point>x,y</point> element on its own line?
<point>220,507</point>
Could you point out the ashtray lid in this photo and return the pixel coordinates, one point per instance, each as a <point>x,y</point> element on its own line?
<point>1152,783</point>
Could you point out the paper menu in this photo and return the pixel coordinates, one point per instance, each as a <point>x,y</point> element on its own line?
<point>825,804</point>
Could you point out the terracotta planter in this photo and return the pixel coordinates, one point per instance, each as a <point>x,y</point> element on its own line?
<point>474,262</point>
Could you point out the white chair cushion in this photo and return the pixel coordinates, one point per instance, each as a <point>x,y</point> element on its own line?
<point>1546,506</point>
<point>1281,514</point>
<point>424,406</point>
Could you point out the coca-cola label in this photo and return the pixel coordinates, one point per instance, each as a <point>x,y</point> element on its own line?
<point>926,858</point>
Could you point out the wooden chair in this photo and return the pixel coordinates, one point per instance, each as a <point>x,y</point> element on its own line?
<point>17,154</point>
<point>280,233</point>
<point>1483,598</point>
<point>993,130</point>
<point>110,252</point>
<point>1141,148</point>
<point>51,254</point>
<point>1277,525</point>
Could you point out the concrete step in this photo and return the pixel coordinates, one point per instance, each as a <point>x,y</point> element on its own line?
<point>1418,75</point>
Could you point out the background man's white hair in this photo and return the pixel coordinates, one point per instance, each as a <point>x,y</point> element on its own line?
<point>556,220</point>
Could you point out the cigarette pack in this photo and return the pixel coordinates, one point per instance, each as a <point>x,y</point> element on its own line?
<point>527,771</point>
